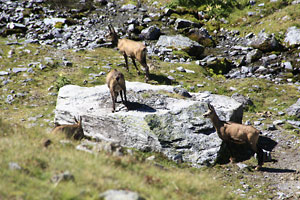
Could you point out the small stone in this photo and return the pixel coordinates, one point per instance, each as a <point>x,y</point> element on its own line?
<point>181,69</point>
<point>241,165</point>
<point>278,122</point>
<point>14,166</point>
<point>120,195</point>
<point>171,78</point>
<point>151,158</point>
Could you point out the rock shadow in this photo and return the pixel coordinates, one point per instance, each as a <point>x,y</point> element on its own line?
<point>242,152</point>
<point>139,107</point>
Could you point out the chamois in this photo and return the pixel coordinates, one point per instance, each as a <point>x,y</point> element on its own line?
<point>132,49</point>
<point>116,83</point>
<point>231,132</point>
<point>71,130</point>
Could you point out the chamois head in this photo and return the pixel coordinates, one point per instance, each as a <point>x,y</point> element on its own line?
<point>211,111</point>
<point>71,130</point>
<point>112,35</point>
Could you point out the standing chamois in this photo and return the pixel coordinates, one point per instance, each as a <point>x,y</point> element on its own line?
<point>116,83</point>
<point>71,130</point>
<point>231,132</point>
<point>132,49</point>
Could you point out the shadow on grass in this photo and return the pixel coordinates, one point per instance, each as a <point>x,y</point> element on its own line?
<point>162,80</point>
<point>276,170</point>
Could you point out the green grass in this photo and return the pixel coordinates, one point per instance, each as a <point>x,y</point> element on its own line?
<point>93,174</point>
<point>273,17</point>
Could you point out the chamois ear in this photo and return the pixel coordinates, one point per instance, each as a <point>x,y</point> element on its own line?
<point>109,28</point>
<point>75,120</point>
<point>210,107</point>
<point>80,120</point>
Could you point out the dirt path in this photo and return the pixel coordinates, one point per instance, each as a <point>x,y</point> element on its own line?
<point>277,180</point>
<point>283,176</point>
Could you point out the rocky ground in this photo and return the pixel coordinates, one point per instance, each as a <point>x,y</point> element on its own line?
<point>221,52</point>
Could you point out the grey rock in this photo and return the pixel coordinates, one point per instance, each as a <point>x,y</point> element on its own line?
<point>65,176</point>
<point>4,73</point>
<point>294,123</point>
<point>242,166</point>
<point>278,122</point>
<point>245,101</point>
<point>9,99</point>
<point>128,7</point>
<point>168,11</point>
<point>120,195</point>
<point>271,127</point>
<point>147,20</point>
<point>18,69</point>
<point>287,66</point>
<point>253,55</point>
<point>296,2</point>
<point>257,123</point>
<point>202,36</point>
<point>171,78</point>
<point>67,63</point>
<point>42,66</point>
<point>53,21</point>
<point>265,42</point>
<point>182,92</point>
<point>181,69</point>
<point>150,33</point>
<point>170,126</point>
<point>294,110</point>
<point>292,36</point>
<point>183,23</point>
<point>250,14</point>
<point>14,166</point>
<point>180,42</point>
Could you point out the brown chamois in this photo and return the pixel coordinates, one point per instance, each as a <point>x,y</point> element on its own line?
<point>132,49</point>
<point>70,130</point>
<point>116,83</point>
<point>231,132</point>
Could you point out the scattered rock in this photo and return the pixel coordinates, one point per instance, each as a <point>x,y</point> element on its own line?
<point>253,55</point>
<point>151,33</point>
<point>294,110</point>
<point>180,42</point>
<point>183,23</point>
<point>120,195</point>
<point>245,101</point>
<point>65,176</point>
<point>14,166</point>
<point>292,36</point>
<point>265,42</point>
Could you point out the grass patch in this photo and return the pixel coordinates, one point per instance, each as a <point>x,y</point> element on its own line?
<point>92,174</point>
<point>273,17</point>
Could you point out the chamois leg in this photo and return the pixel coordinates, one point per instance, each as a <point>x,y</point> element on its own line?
<point>143,62</point>
<point>137,69</point>
<point>229,146</point>
<point>260,155</point>
<point>121,94</point>
<point>147,78</point>
<point>125,98</point>
<point>124,102</point>
<point>260,158</point>
<point>126,61</point>
<point>113,100</point>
